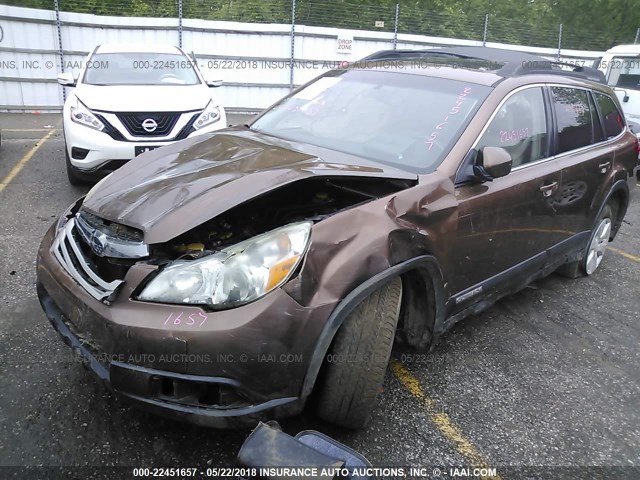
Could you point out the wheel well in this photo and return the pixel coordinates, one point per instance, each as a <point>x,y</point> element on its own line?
<point>421,313</point>
<point>418,309</point>
<point>618,202</point>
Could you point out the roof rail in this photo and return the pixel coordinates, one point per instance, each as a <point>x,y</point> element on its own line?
<point>508,63</point>
<point>545,67</point>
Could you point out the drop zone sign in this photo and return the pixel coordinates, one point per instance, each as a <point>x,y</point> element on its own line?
<point>345,44</point>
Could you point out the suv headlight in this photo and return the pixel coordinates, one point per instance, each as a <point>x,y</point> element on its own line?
<point>236,275</point>
<point>82,115</point>
<point>209,115</point>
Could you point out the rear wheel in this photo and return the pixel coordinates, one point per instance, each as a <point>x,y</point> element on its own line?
<point>599,242</point>
<point>596,249</point>
<point>358,359</point>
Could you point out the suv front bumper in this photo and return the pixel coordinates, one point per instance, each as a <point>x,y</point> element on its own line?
<point>103,149</point>
<point>244,365</point>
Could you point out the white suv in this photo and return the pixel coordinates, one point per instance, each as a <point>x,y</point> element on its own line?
<point>131,99</point>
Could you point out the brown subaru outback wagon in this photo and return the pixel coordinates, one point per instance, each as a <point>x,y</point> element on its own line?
<point>233,276</point>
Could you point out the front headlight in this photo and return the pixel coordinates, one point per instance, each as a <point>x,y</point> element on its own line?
<point>83,116</point>
<point>209,115</point>
<point>236,275</point>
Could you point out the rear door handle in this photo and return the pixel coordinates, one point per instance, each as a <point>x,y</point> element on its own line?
<point>604,166</point>
<point>549,188</point>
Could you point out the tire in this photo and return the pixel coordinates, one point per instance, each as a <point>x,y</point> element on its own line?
<point>72,173</point>
<point>358,359</point>
<point>596,247</point>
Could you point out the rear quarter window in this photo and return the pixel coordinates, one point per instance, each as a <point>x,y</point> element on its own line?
<point>612,119</point>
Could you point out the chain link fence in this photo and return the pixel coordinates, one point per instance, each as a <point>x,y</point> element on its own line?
<point>276,44</point>
<point>386,16</point>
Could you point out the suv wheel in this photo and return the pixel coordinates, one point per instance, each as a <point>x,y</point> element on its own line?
<point>72,173</point>
<point>599,241</point>
<point>597,247</point>
<point>358,358</point>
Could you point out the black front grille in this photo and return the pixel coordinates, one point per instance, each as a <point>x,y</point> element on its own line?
<point>110,129</point>
<point>164,123</point>
<point>187,129</point>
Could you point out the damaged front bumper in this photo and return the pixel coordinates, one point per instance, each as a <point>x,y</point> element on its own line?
<point>240,366</point>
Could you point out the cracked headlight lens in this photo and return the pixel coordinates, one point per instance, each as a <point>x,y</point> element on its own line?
<point>236,275</point>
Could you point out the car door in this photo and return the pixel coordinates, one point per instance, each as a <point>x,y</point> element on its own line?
<point>584,155</point>
<point>508,221</point>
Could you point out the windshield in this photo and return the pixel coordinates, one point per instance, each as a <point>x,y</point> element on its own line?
<point>140,69</point>
<point>407,121</point>
<point>624,72</point>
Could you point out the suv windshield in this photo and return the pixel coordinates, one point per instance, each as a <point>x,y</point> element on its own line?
<point>140,69</point>
<point>408,121</point>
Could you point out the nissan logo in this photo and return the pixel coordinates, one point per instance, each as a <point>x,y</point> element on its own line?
<point>149,125</point>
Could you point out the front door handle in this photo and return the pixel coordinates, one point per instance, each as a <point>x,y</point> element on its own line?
<point>604,166</point>
<point>548,189</point>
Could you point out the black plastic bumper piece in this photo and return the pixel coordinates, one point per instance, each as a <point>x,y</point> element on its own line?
<point>269,453</point>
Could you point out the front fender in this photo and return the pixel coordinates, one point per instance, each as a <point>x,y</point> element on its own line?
<point>357,295</point>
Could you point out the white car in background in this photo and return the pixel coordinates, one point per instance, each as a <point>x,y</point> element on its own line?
<point>621,67</point>
<point>131,99</point>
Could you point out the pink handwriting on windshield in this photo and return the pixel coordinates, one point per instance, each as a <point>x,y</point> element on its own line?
<point>454,111</point>
<point>189,321</point>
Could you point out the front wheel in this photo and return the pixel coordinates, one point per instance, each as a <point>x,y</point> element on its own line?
<point>72,174</point>
<point>358,359</point>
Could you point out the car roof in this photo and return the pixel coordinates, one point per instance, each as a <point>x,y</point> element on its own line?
<point>482,65</point>
<point>137,48</point>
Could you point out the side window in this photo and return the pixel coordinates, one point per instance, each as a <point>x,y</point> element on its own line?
<point>598,135</point>
<point>520,127</point>
<point>576,120</point>
<point>611,116</point>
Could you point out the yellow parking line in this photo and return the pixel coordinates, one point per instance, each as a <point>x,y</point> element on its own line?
<point>25,129</point>
<point>441,420</point>
<point>633,258</point>
<point>23,161</point>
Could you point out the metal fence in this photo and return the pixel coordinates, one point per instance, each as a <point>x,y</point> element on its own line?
<point>411,18</point>
<point>289,32</point>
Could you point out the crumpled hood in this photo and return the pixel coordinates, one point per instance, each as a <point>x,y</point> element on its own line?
<point>171,190</point>
<point>143,98</point>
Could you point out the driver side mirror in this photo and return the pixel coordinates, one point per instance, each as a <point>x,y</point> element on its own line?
<point>66,79</point>
<point>214,83</point>
<point>494,162</point>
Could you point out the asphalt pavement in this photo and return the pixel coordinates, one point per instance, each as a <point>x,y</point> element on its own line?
<point>547,377</point>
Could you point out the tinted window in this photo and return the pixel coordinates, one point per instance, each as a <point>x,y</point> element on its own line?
<point>140,69</point>
<point>598,135</point>
<point>409,121</point>
<point>611,116</point>
<point>575,118</point>
<point>519,127</point>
